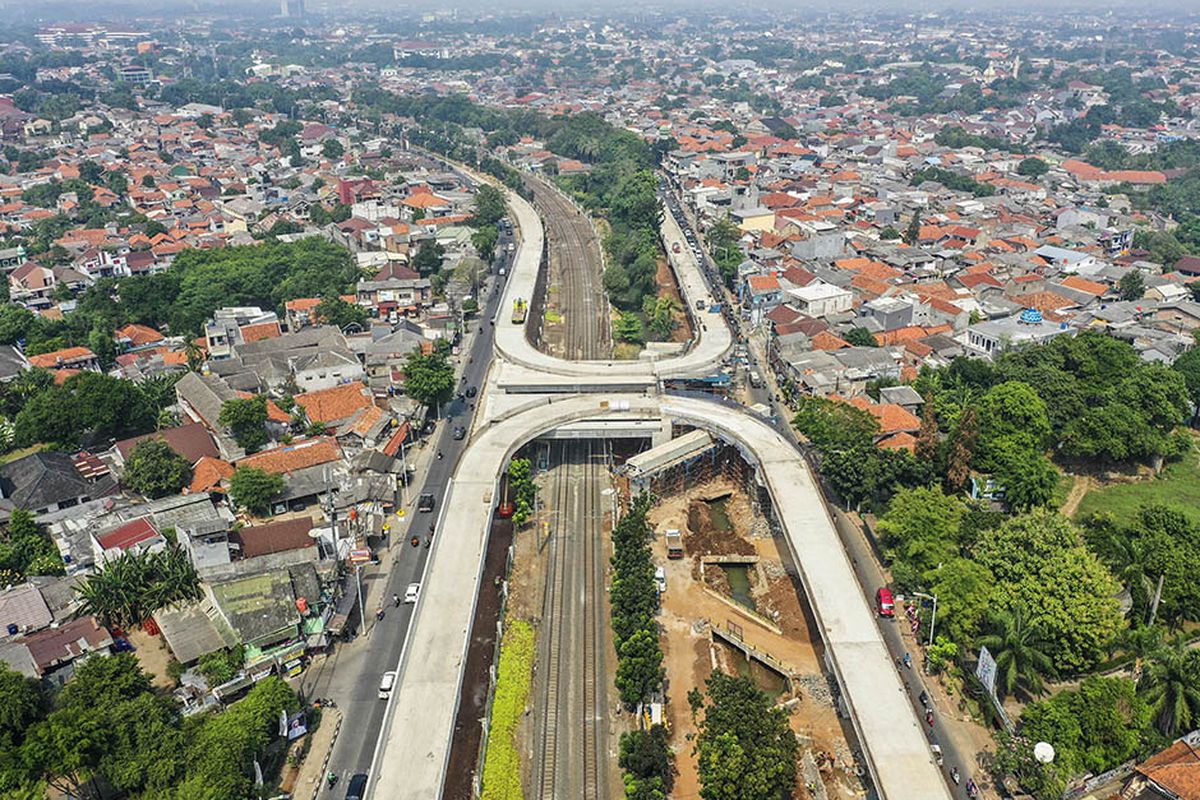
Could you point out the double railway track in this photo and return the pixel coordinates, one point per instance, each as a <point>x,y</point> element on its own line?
<point>575,257</point>
<point>571,758</point>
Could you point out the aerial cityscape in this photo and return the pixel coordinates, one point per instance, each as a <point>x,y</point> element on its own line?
<point>674,400</point>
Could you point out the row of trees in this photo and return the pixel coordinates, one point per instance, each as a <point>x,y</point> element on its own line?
<point>184,296</point>
<point>634,605</point>
<point>109,724</point>
<point>522,491</point>
<point>87,408</point>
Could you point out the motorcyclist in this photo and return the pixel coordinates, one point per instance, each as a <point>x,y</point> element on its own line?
<point>395,599</point>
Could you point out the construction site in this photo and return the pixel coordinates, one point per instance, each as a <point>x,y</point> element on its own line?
<point>733,602</point>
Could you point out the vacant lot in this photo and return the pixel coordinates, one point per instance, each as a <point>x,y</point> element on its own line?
<point>1177,487</point>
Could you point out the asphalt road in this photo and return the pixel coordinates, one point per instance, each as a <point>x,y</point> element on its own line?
<point>351,675</point>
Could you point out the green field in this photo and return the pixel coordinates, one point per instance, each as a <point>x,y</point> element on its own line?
<point>1178,487</point>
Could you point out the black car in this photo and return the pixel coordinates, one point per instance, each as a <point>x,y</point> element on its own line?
<point>460,432</point>
<point>357,788</point>
<point>472,391</point>
<point>426,502</point>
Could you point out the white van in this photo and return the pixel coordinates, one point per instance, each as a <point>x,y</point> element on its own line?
<point>385,685</point>
<point>660,579</point>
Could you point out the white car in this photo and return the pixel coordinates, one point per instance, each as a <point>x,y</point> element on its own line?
<point>385,685</point>
<point>412,592</point>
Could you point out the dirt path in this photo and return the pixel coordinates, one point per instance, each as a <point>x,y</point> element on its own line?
<point>153,655</point>
<point>1079,489</point>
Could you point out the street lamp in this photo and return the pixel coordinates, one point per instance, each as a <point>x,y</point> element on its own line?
<point>933,616</point>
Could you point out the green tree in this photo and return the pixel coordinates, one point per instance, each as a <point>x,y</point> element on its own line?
<point>639,668</point>
<point>25,549</point>
<point>834,425</point>
<point>428,259</point>
<point>965,592</point>
<point>921,531</point>
<point>1041,565</point>
<point>627,327</point>
<point>912,234</point>
<point>255,489</point>
<point>1011,415</point>
<point>1028,477</point>
<point>1188,366</point>
<point>484,241</point>
<point>131,587</point>
<point>1093,728</point>
<point>155,470</point>
<point>429,379</point>
<point>332,149</point>
<point>333,310</point>
<point>1032,167</point>
<point>1020,652</point>
<point>745,748</point>
<point>645,755</point>
<point>246,419</point>
<point>490,206</point>
<point>1132,285</point>
<point>1170,686</point>
<point>861,337</point>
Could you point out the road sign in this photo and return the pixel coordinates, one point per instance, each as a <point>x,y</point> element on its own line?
<point>986,671</point>
<point>360,556</point>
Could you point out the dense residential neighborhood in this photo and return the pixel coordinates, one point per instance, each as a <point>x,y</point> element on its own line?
<point>262,269</point>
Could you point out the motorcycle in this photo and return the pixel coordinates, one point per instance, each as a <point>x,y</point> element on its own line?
<point>332,778</point>
<point>416,540</point>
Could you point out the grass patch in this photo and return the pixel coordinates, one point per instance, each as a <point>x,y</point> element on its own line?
<point>502,764</point>
<point>24,451</point>
<point>626,351</point>
<point>552,317</point>
<point>1177,488</point>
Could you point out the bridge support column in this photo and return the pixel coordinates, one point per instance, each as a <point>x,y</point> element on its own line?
<point>663,435</point>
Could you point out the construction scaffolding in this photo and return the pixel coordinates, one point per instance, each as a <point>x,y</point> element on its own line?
<point>691,458</point>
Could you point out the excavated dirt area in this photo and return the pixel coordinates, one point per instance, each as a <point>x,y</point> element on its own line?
<point>717,519</point>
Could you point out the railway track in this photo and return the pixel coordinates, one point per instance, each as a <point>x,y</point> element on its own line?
<point>571,756</point>
<point>574,255</point>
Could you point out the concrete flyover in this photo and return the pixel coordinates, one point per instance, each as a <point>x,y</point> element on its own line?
<point>411,758</point>
<point>708,348</point>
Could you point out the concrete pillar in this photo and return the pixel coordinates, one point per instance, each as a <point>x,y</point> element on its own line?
<point>663,434</point>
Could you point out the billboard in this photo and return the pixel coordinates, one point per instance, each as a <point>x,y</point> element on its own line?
<point>986,671</point>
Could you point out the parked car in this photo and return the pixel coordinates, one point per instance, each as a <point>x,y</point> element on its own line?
<point>885,604</point>
<point>386,683</point>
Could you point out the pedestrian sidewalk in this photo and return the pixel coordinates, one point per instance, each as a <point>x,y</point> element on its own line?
<point>311,777</point>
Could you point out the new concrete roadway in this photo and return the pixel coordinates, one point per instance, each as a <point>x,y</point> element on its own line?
<point>411,759</point>
<point>411,756</point>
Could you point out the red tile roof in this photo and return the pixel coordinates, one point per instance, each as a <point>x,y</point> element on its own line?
<point>129,534</point>
<point>289,458</point>
<point>336,403</point>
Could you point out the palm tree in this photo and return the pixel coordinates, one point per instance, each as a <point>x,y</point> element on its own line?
<point>1020,652</point>
<point>1171,686</point>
